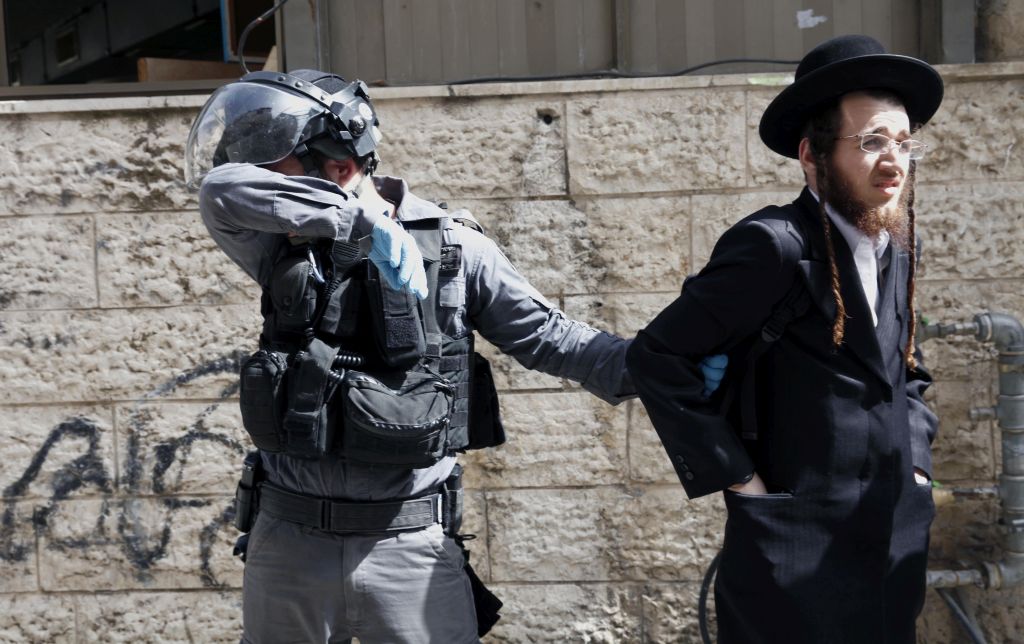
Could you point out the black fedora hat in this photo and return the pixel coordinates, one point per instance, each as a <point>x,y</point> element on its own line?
<point>846,64</point>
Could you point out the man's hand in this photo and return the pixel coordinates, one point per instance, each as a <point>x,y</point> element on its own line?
<point>754,486</point>
<point>713,368</point>
<point>394,253</point>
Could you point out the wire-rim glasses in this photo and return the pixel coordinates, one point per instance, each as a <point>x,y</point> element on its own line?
<point>879,144</point>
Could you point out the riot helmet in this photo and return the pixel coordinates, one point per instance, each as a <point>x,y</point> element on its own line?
<point>265,116</point>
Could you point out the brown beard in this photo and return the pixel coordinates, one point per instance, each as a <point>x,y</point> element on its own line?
<point>871,221</point>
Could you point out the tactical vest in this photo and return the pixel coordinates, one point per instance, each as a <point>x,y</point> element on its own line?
<point>352,368</point>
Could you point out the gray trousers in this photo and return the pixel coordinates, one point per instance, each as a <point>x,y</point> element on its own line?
<point>305,585</point>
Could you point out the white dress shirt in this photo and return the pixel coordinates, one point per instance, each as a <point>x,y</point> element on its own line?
<point>867,253</point>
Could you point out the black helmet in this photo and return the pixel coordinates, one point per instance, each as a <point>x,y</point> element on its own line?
<point>266,116</point>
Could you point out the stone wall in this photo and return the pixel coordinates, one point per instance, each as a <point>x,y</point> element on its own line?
<point>121,325</point>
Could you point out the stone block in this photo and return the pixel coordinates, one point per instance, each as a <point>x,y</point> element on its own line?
<point>37,619</point>
<point>554,439</point>
<point>598,534</point>
<point>996,612</point>
<point>985,110</point>
<point>123,354</point>
<point>56,452</point>
<point>168,258</point>
<point>474,521</point>
<point>965,530</point>
<point>670,613</point>
<point>509,375</point>
<point>671,141</point>
<point>963,357</point>
<point>18,562</point>
<point>107,161</point>
<point>591,245</point>
<point>620,313</point>
<point>181,447</point>
<point>475,148</point>
<point>964,448</point>
<point>48,263</point>
<point>971,231</point>
<point>116,544</point>
<point>639,243</point>
<point>595,613</point>
<point>1000,30</point>
<point>767,168</point>
<point>161,616</point>
<point>714,214</point>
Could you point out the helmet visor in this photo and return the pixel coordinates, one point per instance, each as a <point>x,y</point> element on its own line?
<point>245,123</point>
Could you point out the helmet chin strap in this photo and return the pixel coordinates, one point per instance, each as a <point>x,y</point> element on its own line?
<point>361,186</point>
<point>308,161</point>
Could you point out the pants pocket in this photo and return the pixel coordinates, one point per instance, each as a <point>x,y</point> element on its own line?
<point>444,547</point>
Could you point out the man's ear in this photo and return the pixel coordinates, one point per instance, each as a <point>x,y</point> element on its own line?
<point>341,172</point>
<point>807,162</point>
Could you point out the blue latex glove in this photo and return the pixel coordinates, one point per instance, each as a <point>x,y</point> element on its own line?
<point>713,368</point>
<point>393,251</point>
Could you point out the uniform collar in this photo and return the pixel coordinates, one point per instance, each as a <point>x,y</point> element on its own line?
<point>409,206</point>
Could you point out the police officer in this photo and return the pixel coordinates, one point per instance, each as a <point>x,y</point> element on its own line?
<point>283,158</point>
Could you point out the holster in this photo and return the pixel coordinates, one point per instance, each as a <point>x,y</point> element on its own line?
<point>247,500</point>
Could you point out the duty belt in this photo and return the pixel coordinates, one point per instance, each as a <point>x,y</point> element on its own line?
<point>341,516</point>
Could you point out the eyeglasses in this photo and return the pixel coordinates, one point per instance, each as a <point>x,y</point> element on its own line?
<point>880,144</point>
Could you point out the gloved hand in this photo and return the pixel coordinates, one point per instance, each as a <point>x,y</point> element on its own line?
<point>713,368</point>
<point>393,251</point>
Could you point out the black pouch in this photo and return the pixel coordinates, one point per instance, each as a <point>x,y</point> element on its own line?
<point>402,422</point>
<point>245,492</point>
<point>292,294</point>
<point>397,323</point>
<point>262,398</point>
<point>485,426</point>
<point>310,386</point>
<point>487,603</point>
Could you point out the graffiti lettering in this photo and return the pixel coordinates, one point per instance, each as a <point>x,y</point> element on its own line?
<point>143,543</point>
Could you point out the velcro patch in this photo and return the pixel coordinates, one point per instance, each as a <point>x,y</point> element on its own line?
<point>401,332</point>
<point>451,259</point>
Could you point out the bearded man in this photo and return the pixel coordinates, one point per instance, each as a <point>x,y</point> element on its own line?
<point>822,447</point>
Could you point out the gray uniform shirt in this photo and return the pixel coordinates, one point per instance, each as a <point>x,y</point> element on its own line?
<point>249,210</point>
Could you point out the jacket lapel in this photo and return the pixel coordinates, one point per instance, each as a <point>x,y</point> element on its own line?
<point>888,329</point>
<point>859,336</point>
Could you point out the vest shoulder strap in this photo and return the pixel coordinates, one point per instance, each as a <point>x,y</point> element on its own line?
<point>428,233</point>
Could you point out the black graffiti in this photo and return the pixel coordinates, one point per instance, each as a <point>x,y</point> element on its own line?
<point>121,521</point>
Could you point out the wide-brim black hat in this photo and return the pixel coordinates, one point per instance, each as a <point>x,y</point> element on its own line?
<point>841,65</point>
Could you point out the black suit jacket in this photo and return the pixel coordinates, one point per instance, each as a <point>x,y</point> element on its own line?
<point>840,432</point>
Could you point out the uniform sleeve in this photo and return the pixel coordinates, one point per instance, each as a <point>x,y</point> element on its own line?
<point>249,211</point>
<point>730,299</point>
<point>517,319</point>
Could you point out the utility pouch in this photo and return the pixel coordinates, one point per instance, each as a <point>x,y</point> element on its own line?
<point>487,603</point>
<point>293,294</point>
<point>340,317</point>
<point>485,426</point>
<point>402,422</point>
<point>310,386</point>
<point>397,323</point>
<point>245,492</point>
<point>262,398</point>
<point>452,506</point>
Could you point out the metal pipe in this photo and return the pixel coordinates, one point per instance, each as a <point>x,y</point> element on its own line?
<point>955,578</point>
<point>965,621</point>
<point>1007,334</point>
